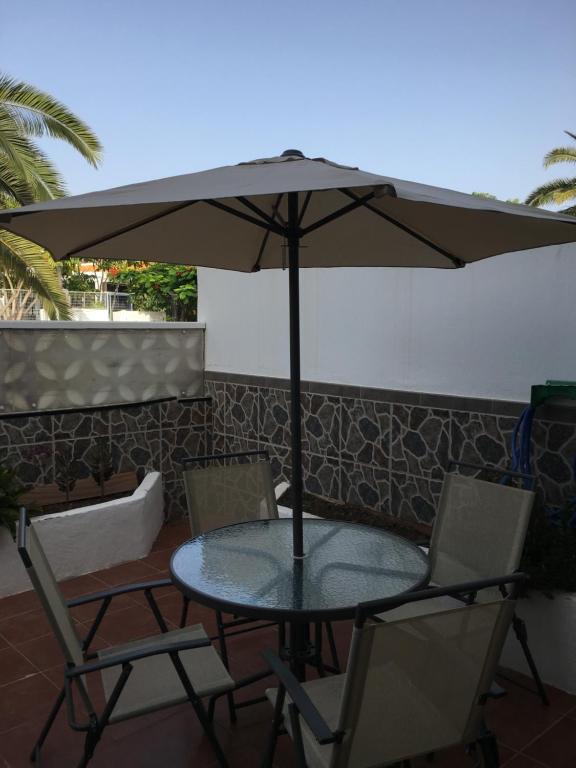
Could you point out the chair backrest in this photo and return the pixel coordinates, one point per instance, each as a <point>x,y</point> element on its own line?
<point>224,494</point>
<point>415,686</point>
<point>479,531</point>
<point>46,586</point>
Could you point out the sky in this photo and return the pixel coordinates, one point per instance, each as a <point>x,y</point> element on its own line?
<point>457,93</point>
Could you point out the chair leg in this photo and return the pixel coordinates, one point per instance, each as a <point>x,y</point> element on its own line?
<point>225,661</point>
<point>268,758</point>
<point>35,755</point>
<point>488,748</point>
<point>333,649</point>
<point>521,633</point>
<point>184,614</point>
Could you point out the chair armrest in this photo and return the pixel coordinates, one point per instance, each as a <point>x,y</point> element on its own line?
<point>114,591</point>
<point>129,656</point>
<point>304,704</point>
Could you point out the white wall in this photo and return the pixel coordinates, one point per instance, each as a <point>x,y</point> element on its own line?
<point>489,330</point>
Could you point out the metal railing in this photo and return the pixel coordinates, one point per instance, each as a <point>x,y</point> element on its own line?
<point>25,305</point>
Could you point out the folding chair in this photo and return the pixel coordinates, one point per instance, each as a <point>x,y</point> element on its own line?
<point>414,686</point>
<point>223,489</point>
<point>479,533</point>
<point>137,677</point>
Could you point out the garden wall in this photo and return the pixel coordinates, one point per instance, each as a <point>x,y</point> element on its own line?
<point>141,438</point>
<point>385,449</point>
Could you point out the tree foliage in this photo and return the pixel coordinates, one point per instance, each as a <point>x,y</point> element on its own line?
<point>157,287</point>
<point>26,176</point>
<point>560,191</point>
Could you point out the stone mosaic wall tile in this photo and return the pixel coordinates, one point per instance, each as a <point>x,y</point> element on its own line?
<point>366,486</point>
<point>321,475</point>
<point>321,424</point>
<point>138,453</point>
<point>366,432</point>
<point>280,461</point>
<point>178,444</point>
<point>414,498</point>
<point>553,456</point>
<point>82,452</point>
<point>19,430</point>
<point>71,426</point>
<point>174,414</point>
<point>481,438</point>
<point>420,440</point>
<point>274,416</point>
<point>175,506</point>
<point>34,464</point>
<point>242,411</point>
<point>217,391</point>
<point>137,418</point>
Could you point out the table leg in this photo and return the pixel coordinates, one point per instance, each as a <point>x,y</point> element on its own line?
<point>299,649</point>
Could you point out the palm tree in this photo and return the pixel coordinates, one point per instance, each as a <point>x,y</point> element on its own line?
<point>560,191</point>
<point>27,176</point>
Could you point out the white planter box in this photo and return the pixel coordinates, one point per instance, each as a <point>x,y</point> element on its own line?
<point>551,626</point>
<point>90,538</point>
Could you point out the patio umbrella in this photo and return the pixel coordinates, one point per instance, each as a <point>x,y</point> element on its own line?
<point>287,211</point>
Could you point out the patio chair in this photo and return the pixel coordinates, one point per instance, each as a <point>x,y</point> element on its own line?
<point>479,533</point>
<point>137,677</point>
<point>234,488</point>
<point>414,686</point>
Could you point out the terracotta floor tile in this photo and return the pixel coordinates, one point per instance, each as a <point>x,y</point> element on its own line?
<point>15,604</point>
<point>159,559</point>
<point>522,761</point>
<point>24,700</point>
<point>129,624</point>
<point>87,613</point>
<point>556,747</point>
<point>13,666</point>
<point>62,748</point>
<point>26,626</point>
<point>81,585</point>
<point>43,652</point>
<point>172,535</point>
<point>3,643</point>
<point>127,572</point>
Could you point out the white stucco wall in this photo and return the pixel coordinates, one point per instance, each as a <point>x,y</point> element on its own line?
<point>489,330</point>
<point>90,538</point>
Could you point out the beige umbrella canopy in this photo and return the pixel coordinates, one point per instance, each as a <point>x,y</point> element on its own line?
<point>256,215</point>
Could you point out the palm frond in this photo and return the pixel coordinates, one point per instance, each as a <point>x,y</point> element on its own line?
<point>560,155</point>
<point>27,262</point>
<point>37,113</point>
<point>25,162</point>
<point>555,192</point>
<point>572,135</point>
<point>570,211</point>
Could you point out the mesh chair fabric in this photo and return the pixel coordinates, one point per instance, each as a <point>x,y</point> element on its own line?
<point>224,495</point>
<point>46,587</point>
<point>154,682</point>
<point>413,686</point>
<point>480,530</point>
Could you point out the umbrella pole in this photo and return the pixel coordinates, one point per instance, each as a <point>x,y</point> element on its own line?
<point>295,409</point>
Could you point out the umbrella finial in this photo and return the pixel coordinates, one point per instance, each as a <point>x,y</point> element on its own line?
<point>292,153</point>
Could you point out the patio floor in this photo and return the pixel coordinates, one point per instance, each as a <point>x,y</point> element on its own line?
<point>530,735</point>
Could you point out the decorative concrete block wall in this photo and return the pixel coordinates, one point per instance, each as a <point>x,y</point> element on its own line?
<point>141,438</point>
<point>386,450</point>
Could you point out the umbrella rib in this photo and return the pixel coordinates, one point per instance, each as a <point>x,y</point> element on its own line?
<point>258,211</point>
<point>130,227</point>
<point>263,244</point>
<point>270,227</point>
<point>357,203</point>
<point>304,207</point>
<point>454,259</point>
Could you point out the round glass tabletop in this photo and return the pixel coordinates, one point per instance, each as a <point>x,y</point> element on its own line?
<point>248,569</point>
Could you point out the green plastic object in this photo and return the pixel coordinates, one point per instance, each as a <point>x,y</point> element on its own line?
<point>552,390</point>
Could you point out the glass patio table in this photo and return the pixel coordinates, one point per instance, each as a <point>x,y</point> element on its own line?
<point>248,569</point>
